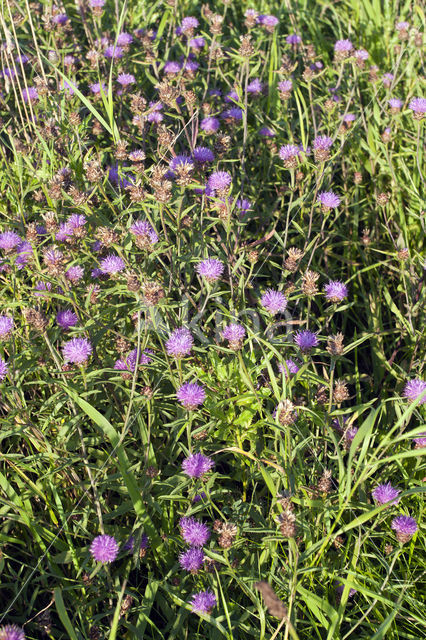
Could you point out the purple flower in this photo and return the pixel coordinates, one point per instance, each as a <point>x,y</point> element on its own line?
<point>273,301</point>
<point>112,265</point>
<point>384,493</point>
<point>420,440</point>
<point>267,21</point>
<point>104,549</point>
<point>197,43</point>
<point>180,160</point>
<point>192,560</point>
<point>293,39</point>
<point>255,86</point>
<point>289,367</point>
<point>418,105</point>
<point>180,343</point>
<point>323,142</point>
<point>211,269</point>
<point>335,291</point>
<point>203,602</point>
<point>124,39</point>
<point>97,86</point>
<point>340,588</point>
<point>144,232</point>
<point>171,67</point>
<point>129,545</point>
<point>113,52</point>
<point>3,369</point>
<point>243,205</point>
<point>11,632</point>
<point>349,117</point>
<point>129,364</point>
<point>285,86</point>
<point>234,113</point>
<point>42,286</point>
<point>395,103</point>
<point>24,251</point>
<point>6,326</point>
<point>199,497</point>
<point>191,395</point>
<point>235,334</point>
<point>405,528</point>
<point>343,46</point>
<point>69,87</point>
<point>30,94</point>
<point>361,54</point>
<point>219,180</point>
<point>415,389</point>
<point>77,350</point>
<point>305,340</point>
<point>197,465</point>
<point>97,3</point>
<point>203,154</point>
<point>9,240</point>
<point>387,79</point>
<point>188,24</point>
<point>402,26</point>
<point>125,79</point>
<point>290,154</point>
<point>328,199</point>
<point>266,132</point>
<point>137,156</point>
<point>75,273</point>
<point>66,319</point>
<point>210,124</point>
<point>194,532</point>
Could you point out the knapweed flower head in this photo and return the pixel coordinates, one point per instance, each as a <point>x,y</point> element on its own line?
<point>306,340</point>
<point>322,142</point>
<point>420,441</point>
<point>77,350</point>
<point>203,602</point>
<point>179,161</point>
<point>172,67</point>
<point>342,49</point>
<point>273,301</point>
<point>385,493</point>
<point>340,588</point>
<point>66,319</point>
<point>188,24</point>
<point>328,200</point>
<point>395,103</point>
<point>335,291</point>
<point>96,4</point>
<point>6,326</point>
<point>418,107</point>
<point>289,367</point>
<point>96,87</point>
<point>267,21</point>
<point>211,269</point>
<point>104,549</point>
<point>112,264</point>
<point>180,343</point>
<point>219,181</point>
<point>234,113</point>
<point>387,79</point>
<point>124,39</point>
<point>405,527</point>
<point>197,43</point>
<point>191,395</point>
<point>290,153</point>
<point>267,132</point>
<point>402,26</point>
<point>30,94</point>
<point>235,334</point>
<point>126,79</point>
<point>3,369</point>
<point>145,234</point>
<point>203,154</point>
<point>255,86</point>
<point>293,38</point>
<point>113,52</point>
<point>11,632</point>
<point>129,363</point>
<point>210,124</point>
<point>192,560</point>
<point>193,531</point>
<point>196,465</point>
<point>9,240</point>
<point>74,274</point>
<point>285,87</point>
<point>361,55</point>
<point>415,389</point>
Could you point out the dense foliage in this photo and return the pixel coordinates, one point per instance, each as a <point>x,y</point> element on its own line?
<point>211,324</point>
